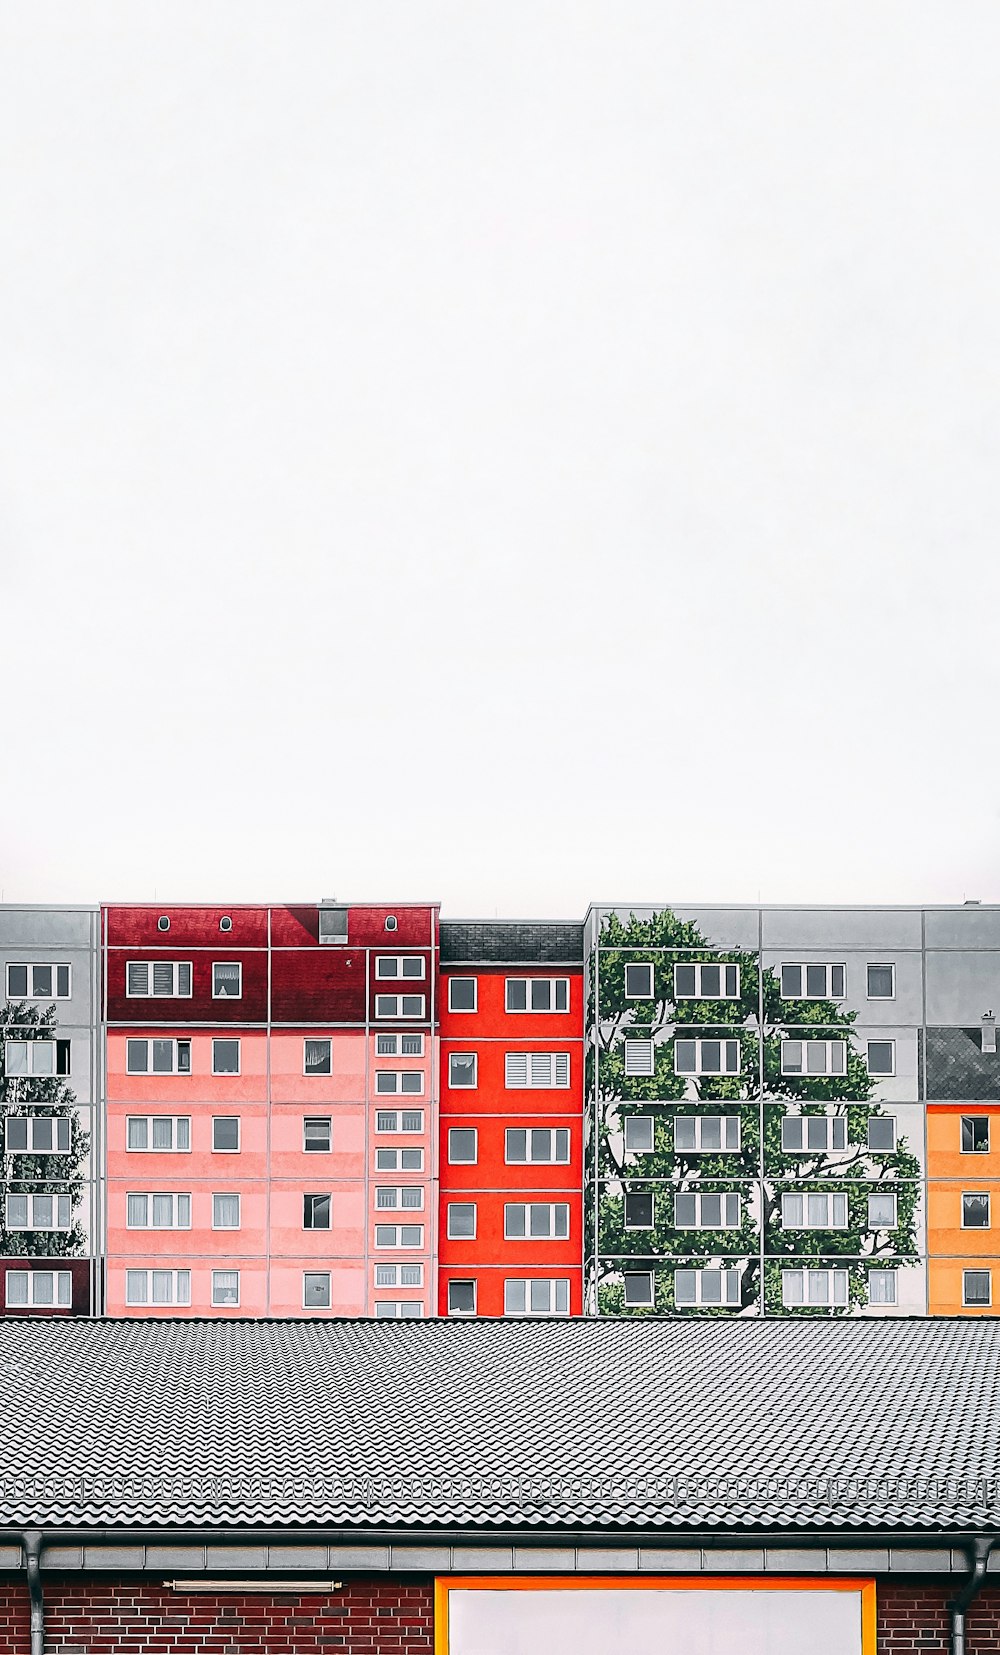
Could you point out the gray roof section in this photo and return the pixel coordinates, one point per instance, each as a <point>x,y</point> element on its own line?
<point>516,942</point>
<point>660,1426</point>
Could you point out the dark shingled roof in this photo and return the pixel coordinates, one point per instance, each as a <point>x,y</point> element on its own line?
<point>657,1426</point>
<point>522,942</point>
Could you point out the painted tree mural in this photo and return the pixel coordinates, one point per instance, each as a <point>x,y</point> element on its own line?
<point>840,1160</point>
<point>57,1173</point>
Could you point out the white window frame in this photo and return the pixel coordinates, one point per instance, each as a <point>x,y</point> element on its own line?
<point>640,1058</point>
<point>730,1053</point>
<point>699,967</point>
<point>239,1135</point>
<point>394,1275</point>
<point>728,1122</point>
<point>883,1195</point>
<point>829,966</point>
<point>630,1121</point>
<point>390,1043</point>
<point>977,1304</point>
<point>471,1085</point>
<point>31,966</point>
<point>175,1197</point>
<point>407,1198</point>
<point>389,1158</point>
<point>729,1280</point>
<point>404,1083</point>
<point>835,1126</point>
<point>837,1278</point>
<point>314,1120</point>
<point>175,1052</point>
<point>398,1310</point>
<point>634,1276</point>
<point>317,1275</point>
<point>230,1040</point>
<point>551,1160</point>
<point>317,1040</point>
<point>61,1279</point>
<point>559,1071</point>
<point>727,1198</point>
<point>807,1195</point>
<point>884,1149</point>
<point>29,1120</point>
<point>225,1304</point>
<point>881,1074</point>
<point>475,1135</point>
<point>470,1206</point>
<point>63,1204</point>
<point>398,974</point>
<point>151,967</point>
<point>884,1275</point>
<point>528,1010</point>
<point>529,1283</point>
<point>57,1047</point>
<point>640,965</point>
<point>464,1011</point>
<point>221,994</point>
<point>881,965</point>
<point>527,1207</point>
<point>227,1195</point>
<point>464,1281</point>
<point>398,1243</point>
<point>399,1129</point>
<point>180,1288</point>
<point>175,1121</point>
<point>829,1046</point>
<point>391,1005</point>
<point>977,1195</point>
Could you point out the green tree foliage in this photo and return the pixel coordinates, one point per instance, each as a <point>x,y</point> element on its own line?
<point>760,1095</point>
<point>44,1174</point>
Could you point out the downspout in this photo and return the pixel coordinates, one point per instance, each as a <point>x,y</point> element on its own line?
<point>979,1553</point>
<point>31,1542</point>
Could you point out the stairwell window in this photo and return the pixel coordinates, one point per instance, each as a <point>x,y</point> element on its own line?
<point>158,1057</point>
<point>813,982</point>
<point>398,1310</point>
<point>811,1211</point>
<point>707,980</point>
<point>399,1005</point>
<point>399,1235</point>
<point>36,1288</point>
<point>399,1120</point>
<point>814,1059</point>
<point>227,980</point>
<point>37,1135</point>
<point>536,1070</point>
<point>399,1160</point>
<point>38,982</point>
<point>399,1080</point>
<point>399,1045</point>
<point>37,1058</point>
<point>706,1057</point>
<point>158,979</point>
<point>399,1275</point>
<point>39,1212</point>
<point>707,1211</point>
<point>400,965</point>
<point>400,1195</point>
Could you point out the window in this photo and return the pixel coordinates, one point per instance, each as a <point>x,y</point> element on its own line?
<point>809,1134</point>
<point>813,1287</point>
<point>158,979</point>
<point>881,1132</point>
<point>158,1212</point>
<point>461,1220</point>
<point>975,1134</point>
<point>39,1212</point>
<point>391,922</point>
<point>317,1134</point>
<point>399,1195</point>
<point>976,1287</point>
<point>399,1235</point>
<point>316,1212</point>
<point>703,980</point>
<point>638,1134</point>
<point>36,1057</point>
<point>701,1134</point>
<point>225,1212</point>
<point>709,1286</point>
<point>158,1057</point>
<point>332,929</point>
<point>157,1287</point>
<point>38,982</point>
<point>399,1005</point>
<point>882,1211</point>
<point>882,1287</point>
<point>461,1298</point>
<point>226,1134</point>
<point>225,1057</point>
<point>398,1310</point>
<point>881,1057</point>
<point>225,1287</point>
<point>639,981</point>
<point>537,1143</point>
<point>462,993</point>
<point>315,1288</point>
<point>813,982</point>
<point>639,1210</point>
<point>976,1211</point>
<point>409,966</point>
<point>638,1288</point>
<point>226,923</point>
<point>535,1297</point>
<point>704,1057</point>
<point>399,1080</point>
<point>399,1045</point>
<point>39,1287</point>
<point>317,1057</point>
<point>814,1058</point>
<point>813,1211</point>
<point>537,1219</point>
<point>227,980</point>
<point>463,1069</point>
<point>166,1133</point>
<point>538,994</point>
<point>881,982</point>
<point>536,1070</point>
<point>163,923</point>
<point>463,1146</point>
<point>640,1059</point>
<point>399,1275</point>
<point>399,1160</point>
<point>705,1211</point>
<point>399,1120</point>
<point>37,1134</point>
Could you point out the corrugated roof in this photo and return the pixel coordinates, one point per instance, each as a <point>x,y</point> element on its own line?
<point>658,1425</point>
<point>519,942</point>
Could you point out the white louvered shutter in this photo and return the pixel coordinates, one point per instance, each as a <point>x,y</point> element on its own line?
<point>138,977</point>
<point>516,1069</point>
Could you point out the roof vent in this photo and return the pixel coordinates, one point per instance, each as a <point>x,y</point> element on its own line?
<point>971,902</point>
<point>989,1032</point>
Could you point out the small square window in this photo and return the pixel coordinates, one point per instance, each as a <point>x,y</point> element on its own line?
<point>225,1287</point>
<point>461,1298</point>
<point>976,1211</point>
<point>225,1212</point>
<point>462,1145</point>
<point>882,1212</point>
<point>975,1134</point>
<point>976,1287</point>
<point>639,981</point>
<point>316,1290</point>
<point>638,1288</point>
<point>461,1220</point>
<point>882,1132</point>
<point>317,1057</point>
<point>881,1057</point>
<point>226,1133</point>
<point>638,1210</point>
<point>881,982</point>
<point>225,1057</point>
<point>227,980</point>
<point>882,1287</point>
<point>638,1134</point>
<point>462,993</point>
<point>462,1070</point>
<point>316,1212</point>
<point>317,1134</point>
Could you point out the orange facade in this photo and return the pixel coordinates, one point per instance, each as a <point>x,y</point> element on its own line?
<point>963,1166</point>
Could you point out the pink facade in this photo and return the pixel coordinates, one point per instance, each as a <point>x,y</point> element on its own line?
<point>272,1110</point>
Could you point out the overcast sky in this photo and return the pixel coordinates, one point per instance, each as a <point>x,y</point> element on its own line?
<point>510,453</point>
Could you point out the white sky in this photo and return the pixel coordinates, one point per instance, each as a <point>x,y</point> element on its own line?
<point>511,453</point>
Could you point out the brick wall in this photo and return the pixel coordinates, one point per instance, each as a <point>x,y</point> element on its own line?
<point>914,1620</point>
<point>91,1617</point>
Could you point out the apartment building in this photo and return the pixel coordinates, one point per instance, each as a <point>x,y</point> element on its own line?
<point>512,1018</point>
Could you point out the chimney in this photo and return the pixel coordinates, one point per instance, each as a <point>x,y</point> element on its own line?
<point>989,1032</point>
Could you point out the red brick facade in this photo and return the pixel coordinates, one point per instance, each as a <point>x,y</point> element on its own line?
<point>91,1617</point>
<point>914,1620</point>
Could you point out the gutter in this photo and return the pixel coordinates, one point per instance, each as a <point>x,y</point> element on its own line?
<point>31,1544</point>
<point>244,1533</point>
<point>979,1556</point>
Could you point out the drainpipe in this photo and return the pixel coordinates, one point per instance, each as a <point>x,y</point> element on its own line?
<point>31,1542</point>
<point>979,1554</point>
